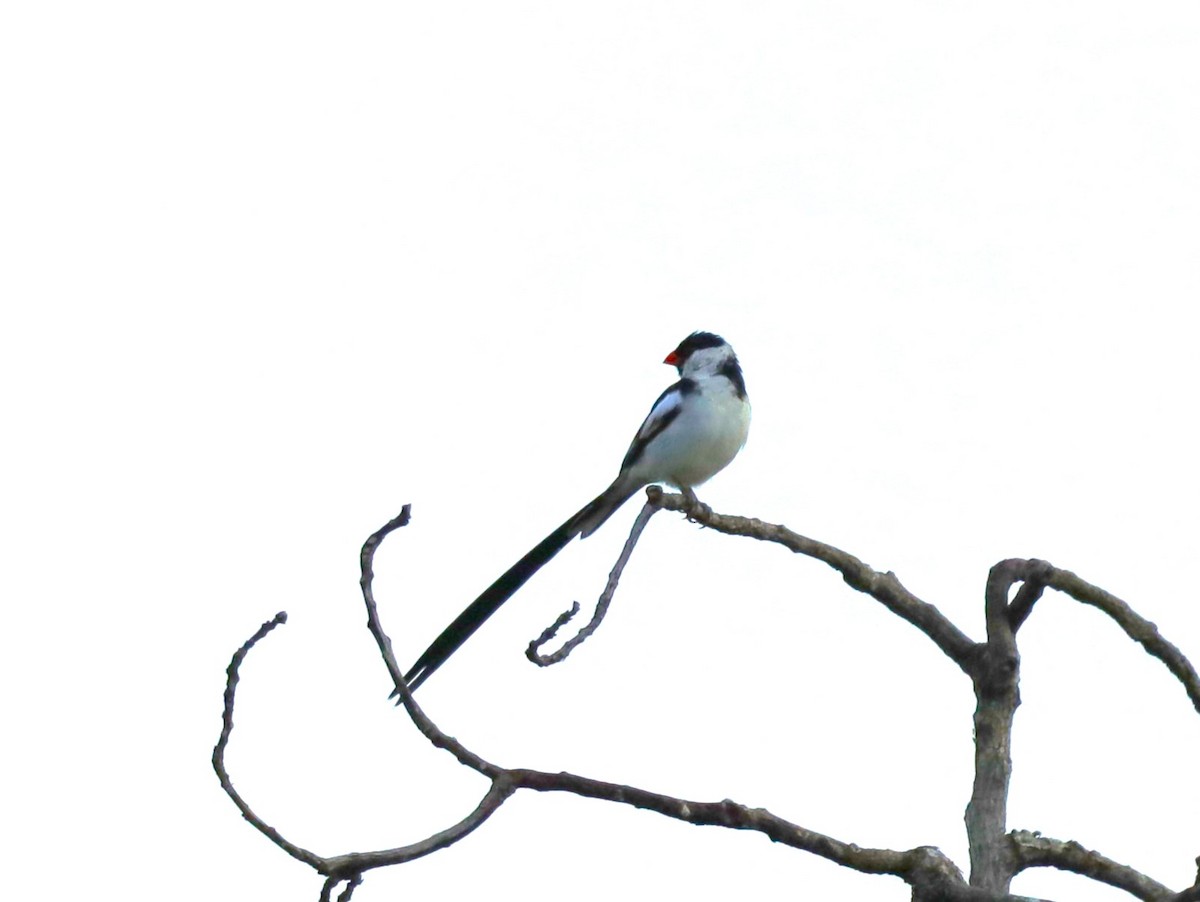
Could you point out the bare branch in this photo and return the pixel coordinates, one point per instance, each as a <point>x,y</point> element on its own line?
<point>218,758</point>
<point>351,867</point>
<point>1136,627</point>
<point>721,814</point>
<point>1033,850</point>
<point>531,652</point>
<point>929,871</point>
<point>345,895</point>
<point>883,587</point>
<point>925,868</point>
<point>995,679</point>
<point>351,885</point>
<point>933,877</point>
<point>1035,575</point>
<point>610,588</point>
<point>427,727</point>
<point>358,862</point>
<point>995,605</point>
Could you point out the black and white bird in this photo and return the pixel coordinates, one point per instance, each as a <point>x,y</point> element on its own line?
<point>695,428</point>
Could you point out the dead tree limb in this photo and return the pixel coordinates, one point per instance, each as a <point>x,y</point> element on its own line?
<point>993,665</point>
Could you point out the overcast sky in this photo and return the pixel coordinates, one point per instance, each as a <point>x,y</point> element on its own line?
<point>274,270</point>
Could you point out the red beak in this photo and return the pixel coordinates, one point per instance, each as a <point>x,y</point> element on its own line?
<point>672,359</point>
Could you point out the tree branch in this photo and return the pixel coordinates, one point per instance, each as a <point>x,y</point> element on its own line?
<point>932,875</point>
<point>1038,575</point>
<point>1136,627</point>
<point>350,867</point>
<point>610,588</point>
<point>345,895</point>
<point>344,866</point>
<point>427,727</point>
<point>883,587</point>
<point>1031,850</point>
<point>1035,575</point>
<point>995,678</point>
<point>218,756</point>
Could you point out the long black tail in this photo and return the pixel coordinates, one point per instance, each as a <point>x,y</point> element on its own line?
<point>586,522</point>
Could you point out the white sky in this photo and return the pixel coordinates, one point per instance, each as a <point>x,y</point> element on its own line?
<point>272,270</point>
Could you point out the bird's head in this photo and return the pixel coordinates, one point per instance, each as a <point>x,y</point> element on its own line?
<point>701,353</point>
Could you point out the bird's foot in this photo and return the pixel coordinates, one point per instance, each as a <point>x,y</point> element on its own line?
<point>694,506</point>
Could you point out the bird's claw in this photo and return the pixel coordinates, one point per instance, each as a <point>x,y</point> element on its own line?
<point>694,506</point>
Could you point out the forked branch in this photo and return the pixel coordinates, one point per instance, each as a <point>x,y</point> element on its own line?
<point>932,876</point>
<point>533,652</point>
<point>1136,627</point>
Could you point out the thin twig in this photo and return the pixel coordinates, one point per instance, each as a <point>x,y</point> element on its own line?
<point>549,633</point>
<point>218,757</point>
<point>427,727</point>
<point>358,862</point>
<point>351,867</point>
<point>610,588</point>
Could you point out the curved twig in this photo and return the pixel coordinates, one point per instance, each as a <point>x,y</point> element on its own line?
<point>427,727</point>
<point>531,652</point>
<point>351,867</point>
<point>218,756</point>
<point>610,588</point>
<point>358,862</point>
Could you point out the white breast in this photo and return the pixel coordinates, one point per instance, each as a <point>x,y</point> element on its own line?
<point>708,433</point>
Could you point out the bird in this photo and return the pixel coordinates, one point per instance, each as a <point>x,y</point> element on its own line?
<point>693,431</point>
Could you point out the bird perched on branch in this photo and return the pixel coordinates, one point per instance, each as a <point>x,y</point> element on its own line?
<point>695,428</point>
